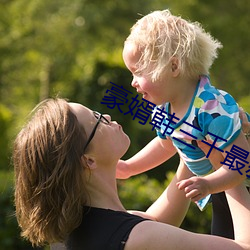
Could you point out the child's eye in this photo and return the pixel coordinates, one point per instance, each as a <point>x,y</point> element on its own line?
<point>137,74</point>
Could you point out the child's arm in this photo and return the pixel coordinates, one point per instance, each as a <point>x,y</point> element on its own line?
<point>220,180</point>
<point>153,154</point>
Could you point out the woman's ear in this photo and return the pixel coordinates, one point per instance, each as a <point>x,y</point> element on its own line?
<point>175,66</point>
<point>89,161</point>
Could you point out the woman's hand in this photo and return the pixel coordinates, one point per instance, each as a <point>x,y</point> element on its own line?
<point>245,123</point>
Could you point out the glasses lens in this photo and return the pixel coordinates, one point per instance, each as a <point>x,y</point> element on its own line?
<point>97,115</point>
<point>104,120</point>
<point>100,117</point>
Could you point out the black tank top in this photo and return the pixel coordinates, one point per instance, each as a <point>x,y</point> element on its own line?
<point>102,229</point>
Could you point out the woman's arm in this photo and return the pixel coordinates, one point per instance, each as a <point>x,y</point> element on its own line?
<point>239,203</point>
<point>160,236</point>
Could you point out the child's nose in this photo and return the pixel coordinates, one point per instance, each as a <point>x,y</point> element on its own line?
<point>134,83</point>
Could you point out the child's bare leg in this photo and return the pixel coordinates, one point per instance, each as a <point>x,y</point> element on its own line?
<point>171,207</point>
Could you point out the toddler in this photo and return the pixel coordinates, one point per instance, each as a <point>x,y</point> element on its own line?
<point>170,59</point>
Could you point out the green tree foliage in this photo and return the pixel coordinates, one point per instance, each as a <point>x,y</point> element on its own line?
<point>72,48</point>
<point>5,124</point>
<point>229,23</point>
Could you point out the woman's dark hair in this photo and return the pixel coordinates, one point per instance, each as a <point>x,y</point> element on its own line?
<point>49,180</point>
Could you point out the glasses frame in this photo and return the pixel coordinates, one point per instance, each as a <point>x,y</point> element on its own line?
<point>100,118</point>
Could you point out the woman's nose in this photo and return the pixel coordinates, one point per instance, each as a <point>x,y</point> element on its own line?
<point>108,117</point>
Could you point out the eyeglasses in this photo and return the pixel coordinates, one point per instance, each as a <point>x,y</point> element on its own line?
<point>100,118</point>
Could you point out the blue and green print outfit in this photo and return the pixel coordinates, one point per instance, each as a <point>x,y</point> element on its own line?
<point>212,115</point>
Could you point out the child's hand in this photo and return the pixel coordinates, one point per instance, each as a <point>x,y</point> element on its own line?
<point>194,187</point>
<point>122,170</point>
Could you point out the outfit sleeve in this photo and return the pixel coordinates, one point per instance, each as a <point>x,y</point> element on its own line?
<point>219,119</point>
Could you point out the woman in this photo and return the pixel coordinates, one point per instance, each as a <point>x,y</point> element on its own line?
<point>65,188</point>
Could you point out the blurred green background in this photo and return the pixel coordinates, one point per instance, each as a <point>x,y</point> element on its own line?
<point>72,48</point>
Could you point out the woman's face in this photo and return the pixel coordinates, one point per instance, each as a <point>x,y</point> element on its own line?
<point>109,139</point>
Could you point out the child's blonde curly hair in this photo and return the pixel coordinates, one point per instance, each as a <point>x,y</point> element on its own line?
<point>161,36</point>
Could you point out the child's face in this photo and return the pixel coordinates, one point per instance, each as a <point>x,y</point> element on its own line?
<point>151,91</point>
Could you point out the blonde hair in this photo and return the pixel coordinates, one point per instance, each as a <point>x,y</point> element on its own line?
<point>161,36</point>
<point>49,186</point>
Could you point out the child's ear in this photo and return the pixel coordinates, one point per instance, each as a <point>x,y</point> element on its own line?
<point>175,66</point>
